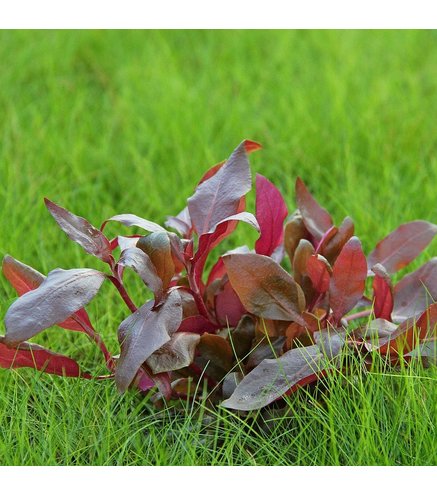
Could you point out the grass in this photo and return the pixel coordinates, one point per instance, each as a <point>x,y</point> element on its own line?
<point>107,122</point>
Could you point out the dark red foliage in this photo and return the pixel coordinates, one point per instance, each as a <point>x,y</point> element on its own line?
<point>248,328</point>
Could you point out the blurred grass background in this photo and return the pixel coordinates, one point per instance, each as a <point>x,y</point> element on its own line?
<point>108,122</point>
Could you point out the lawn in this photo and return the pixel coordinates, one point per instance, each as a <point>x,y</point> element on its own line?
<point>107,122</point>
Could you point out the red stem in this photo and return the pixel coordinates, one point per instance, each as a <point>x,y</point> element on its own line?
<point>125,296</point>
<point>97,339</point>
<point>361,314</point>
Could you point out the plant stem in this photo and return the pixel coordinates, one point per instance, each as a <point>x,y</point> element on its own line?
<point>361,314</point>
<point>125,296</point>
<point>97,339</point>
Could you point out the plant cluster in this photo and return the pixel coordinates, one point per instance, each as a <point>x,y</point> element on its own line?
<point>248,330</point>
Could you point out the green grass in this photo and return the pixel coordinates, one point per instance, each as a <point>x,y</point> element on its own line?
<point>107,122</point>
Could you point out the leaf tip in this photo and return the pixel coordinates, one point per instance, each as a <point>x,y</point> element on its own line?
<point>250,146</point>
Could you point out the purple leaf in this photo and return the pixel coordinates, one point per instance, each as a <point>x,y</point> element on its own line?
<point>348,278</point>
<point>181,223</point>
<point>125,242</point>
<point>415,291</point>
<point>272,378</point>
<point>24,278</point>
<point>139,261</point>
<point>271,212</point>
<point>144,332</point>
<point>60,295</point>
<point>219,196</point>
<point>317,220</point>
<point>403,245</point>
<point>176,354</point>
<point>27,355</point>
<point>134,221</point>
<point>81,231</point>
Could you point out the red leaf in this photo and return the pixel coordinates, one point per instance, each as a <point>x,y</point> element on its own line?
<point>403,245</point>
<point>197,324</point>
<point>331,249</point>
<point>271,212</point>
<point>228,307</point>
<point>382,293</point>
<point>317,220</point>
<point>411,332</point>
<point>219,196</point>
<point>265,289</point>
<point>348,279</point>
<point>27,355</point>
<point>81,231</point>
<point>318,270</point>
<point>208,241</point>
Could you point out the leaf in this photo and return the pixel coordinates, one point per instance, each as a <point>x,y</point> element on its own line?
<point>271,212</point>
<point>219,270</point>
<point>81,231</point>
<point>272,378</point>
<point>242,336</point>
<point>415,291</point>
<point>218,197</point>
<point>125,242</point>
<point>210,240</point>
<point>197,324</point>
<point>264,288</point>
<point>157,246</point>
<point>27,355</point>
<point>144,332</point>
<point>382,293</point>
<point>300,272</point>
<point>319,270</point>
<point>136,259</point>
<point>375,331</point>
<point>181,223</point>
<point>334,245</point>
<point>264,349</point>
<point>348,278</point>
<point>302,254</point>
<point>23,278</point>
<point>402,245</point>
<point>228,307</point>
<point>175,354</point>
<point>317,220</point>
<point>249,146</point>
<point>216,349</point>
<point>411,332</point>
<point>294,231</point>
<point>134,221</point>
<point>60,295</point>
